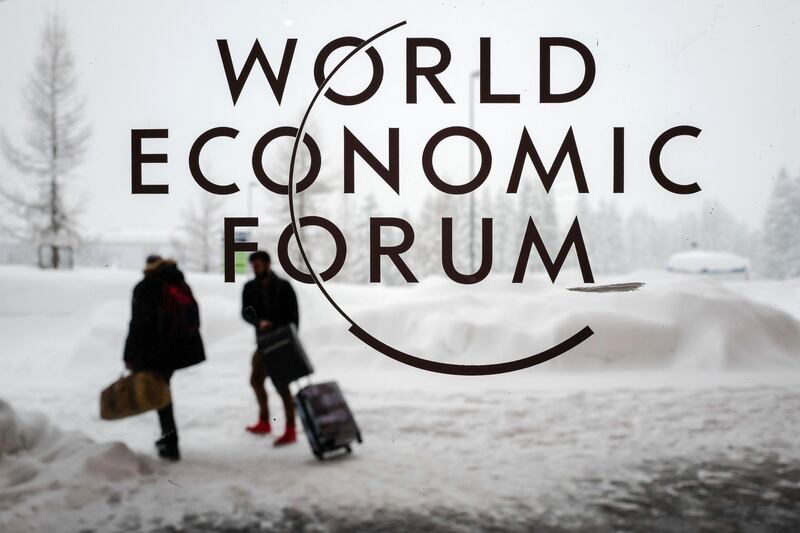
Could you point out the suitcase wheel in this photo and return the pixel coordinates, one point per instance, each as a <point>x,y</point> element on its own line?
<point>358,437</point>
<point>348,449</point>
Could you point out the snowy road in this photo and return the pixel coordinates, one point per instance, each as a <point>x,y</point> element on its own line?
<point>669,459</point>
<point>681,448</point>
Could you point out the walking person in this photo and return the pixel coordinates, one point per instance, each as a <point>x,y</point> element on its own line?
<point>164,336</point>
<point>268,301</point>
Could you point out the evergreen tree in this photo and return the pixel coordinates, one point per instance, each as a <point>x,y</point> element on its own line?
<point>645,242</point>
<point>781,239</point>
<point>358,244</point>
<point>720,230</point>
<point>198,242</point>
<point>607,249</point>
<point>427,257</point>
<point>457,208</point>
<point>348,221</point>
<point>506,243</point>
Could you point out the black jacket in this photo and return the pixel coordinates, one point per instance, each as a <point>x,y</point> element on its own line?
<point>149,346</point>
<point>269,298</point>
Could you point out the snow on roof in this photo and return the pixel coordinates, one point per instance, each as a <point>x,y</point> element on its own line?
<point>707,262</point>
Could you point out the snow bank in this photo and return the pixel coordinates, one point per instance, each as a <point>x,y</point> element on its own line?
<point>672,322</point>
<point>10,434</point>
<point>43,468</point>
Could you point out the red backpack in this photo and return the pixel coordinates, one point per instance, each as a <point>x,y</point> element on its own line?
<point>181,313</point>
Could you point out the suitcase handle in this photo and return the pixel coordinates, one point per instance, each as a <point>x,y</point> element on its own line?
<point>299,386</point>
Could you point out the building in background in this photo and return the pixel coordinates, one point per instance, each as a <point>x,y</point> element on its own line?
<point>123,248</point>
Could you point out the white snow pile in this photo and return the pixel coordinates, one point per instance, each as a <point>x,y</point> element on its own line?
<point>672,322</point>
<point>45,469</point>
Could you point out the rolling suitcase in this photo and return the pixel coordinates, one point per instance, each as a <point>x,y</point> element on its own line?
<point>327,420</point>
<point>283,355</point>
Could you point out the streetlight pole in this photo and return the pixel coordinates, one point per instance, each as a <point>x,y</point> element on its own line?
<point>472,77</point>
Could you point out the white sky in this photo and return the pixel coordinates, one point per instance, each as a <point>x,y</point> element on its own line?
<point>727,68</point>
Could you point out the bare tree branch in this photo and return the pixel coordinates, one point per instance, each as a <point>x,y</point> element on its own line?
<point>50,150</point>
<point>199,238</point>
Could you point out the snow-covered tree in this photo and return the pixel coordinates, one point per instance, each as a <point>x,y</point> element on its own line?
<point>358,241</point>
<point>56,141</point>
<point>780,255</point>
<point>645,245</point>
<point>603,232</point>
<point>495,205</point>
<point>198,242</point>
<point>457,207</point>
<point>534,202</point>
<point>719,229</point>
<point>427,251</point>
<point>310,201</point>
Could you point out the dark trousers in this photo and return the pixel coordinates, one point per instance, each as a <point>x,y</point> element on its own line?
<point>258,375</point>
<point>166,417</point>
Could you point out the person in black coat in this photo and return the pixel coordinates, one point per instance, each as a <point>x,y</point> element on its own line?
<point>163,335</point>
<point>268,301</point>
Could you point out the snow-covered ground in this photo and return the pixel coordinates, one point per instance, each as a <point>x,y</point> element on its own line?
<point>681,413</point>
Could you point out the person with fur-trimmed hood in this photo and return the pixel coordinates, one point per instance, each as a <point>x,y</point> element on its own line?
<point>164,335</point>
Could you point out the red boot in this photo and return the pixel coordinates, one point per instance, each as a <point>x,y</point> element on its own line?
<point>262,428</point>
<point>288,438</point>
